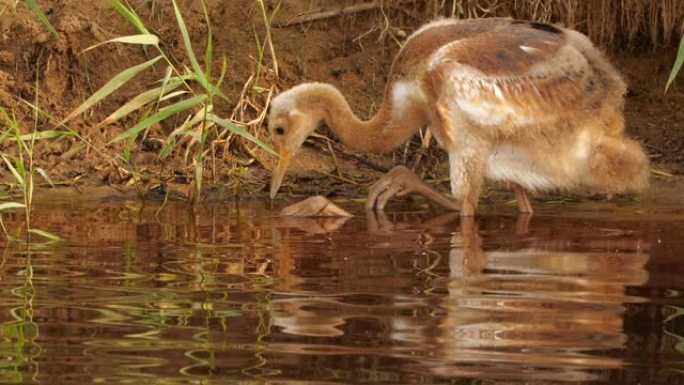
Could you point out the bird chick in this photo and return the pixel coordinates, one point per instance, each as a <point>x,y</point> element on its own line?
<point>527,103</point>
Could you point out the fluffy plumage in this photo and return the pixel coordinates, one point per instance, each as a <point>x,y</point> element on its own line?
<point>527,103</point>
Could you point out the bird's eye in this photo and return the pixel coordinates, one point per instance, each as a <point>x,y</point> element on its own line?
<point>279,130</point>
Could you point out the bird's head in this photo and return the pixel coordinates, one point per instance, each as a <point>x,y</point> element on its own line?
<point>293,117</point>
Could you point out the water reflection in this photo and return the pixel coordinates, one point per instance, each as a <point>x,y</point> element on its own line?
<point>543,314</point>
<point>536,312</point>
<point>237,294</point>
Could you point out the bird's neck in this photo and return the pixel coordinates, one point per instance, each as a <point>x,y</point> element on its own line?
<point>393,124</point>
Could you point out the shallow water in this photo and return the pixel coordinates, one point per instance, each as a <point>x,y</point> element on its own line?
<point>576,294</point>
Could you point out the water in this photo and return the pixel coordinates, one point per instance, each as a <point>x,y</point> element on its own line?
<point>576,294</point>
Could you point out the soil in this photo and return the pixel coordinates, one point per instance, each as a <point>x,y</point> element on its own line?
<point>351,51</point>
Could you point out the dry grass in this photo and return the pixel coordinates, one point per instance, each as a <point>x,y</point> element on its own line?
<point>610,23</point>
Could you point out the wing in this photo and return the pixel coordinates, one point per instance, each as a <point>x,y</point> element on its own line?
<point>518,73</point>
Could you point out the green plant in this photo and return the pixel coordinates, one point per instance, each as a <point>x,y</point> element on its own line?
<point>23,169</point>
<point>677,66</point>
<point>267,41</point>
<point>22,166</point>
<point>195,102</point>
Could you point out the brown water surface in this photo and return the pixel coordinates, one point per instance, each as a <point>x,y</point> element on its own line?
<point>586,293</point>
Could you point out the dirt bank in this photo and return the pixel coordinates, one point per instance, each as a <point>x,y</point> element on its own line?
<point>352,51</point>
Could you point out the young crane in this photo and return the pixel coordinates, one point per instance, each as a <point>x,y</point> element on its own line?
<point>515,101</point>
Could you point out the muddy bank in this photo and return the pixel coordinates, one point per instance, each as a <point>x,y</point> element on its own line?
<point>352,51</point>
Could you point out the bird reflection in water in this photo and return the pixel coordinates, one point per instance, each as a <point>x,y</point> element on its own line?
<point>517,306</point>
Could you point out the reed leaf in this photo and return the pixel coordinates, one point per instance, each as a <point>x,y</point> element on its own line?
<point>208,51</point>
<point>115,83</point>
<point>45,234</point>
<point>165,81</point>
<point>677,64</point>
<point>17,176</point>
<point>11,205</point>
<point>168,147</point>
<point>199,172</point>
<point>142,39</point>
<point>184,129</point>
<point>199,74</point>
<point>161,115</point>
<point>45,176</point>
<point>196,119</point>
<point>38,135</point>
<point>172,95</point>
<point>130,15</point>
<point>236,129</point>
<point>140,101</point>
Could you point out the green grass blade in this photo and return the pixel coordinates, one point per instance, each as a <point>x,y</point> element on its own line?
<point>199,172</point>
<point>166,151</point>
<point>268,41</point>
<point>677,64</point>
<point>138,102</point>
<point>130,15</point>
<point>199,74</point>
<point>240,131</point>
<point>41,16</point>
<point>196,119</point>
<point>11,205</point>
<point>143,39</point>
<point>172,95</point>
<point>115,83</point>
<point>224,69</point>
<point>47,134</point>
<point>45,176</point>
<point>165,81</point>
<point>15,173</point>
<point>45,234</point>
<point>161,115</point>
<point>208,51</point>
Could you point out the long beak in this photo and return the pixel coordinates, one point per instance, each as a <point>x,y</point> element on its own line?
<point>279,172</point>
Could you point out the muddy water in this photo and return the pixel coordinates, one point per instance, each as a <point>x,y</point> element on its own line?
<point>584,294</point>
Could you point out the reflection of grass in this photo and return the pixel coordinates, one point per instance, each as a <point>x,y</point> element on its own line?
<point>679,344</point>
<point>23,332</point>
<point>263,331</point>
<point>678,312</point>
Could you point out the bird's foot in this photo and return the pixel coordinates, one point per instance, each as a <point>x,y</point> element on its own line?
<point>398,182</point>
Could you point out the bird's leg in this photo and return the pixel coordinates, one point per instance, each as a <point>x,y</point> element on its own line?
<point>467,156</point>
<point>524,205</point>
<point>466,171</point>
<point>468,260</point>
<point>400,181</point>
<point>522,224</point>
